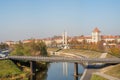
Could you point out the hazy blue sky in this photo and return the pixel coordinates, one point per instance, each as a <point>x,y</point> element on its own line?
<point>23,19</point>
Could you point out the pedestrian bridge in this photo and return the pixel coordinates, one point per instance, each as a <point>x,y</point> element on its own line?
<point>65,59</point>
<point>75,60</point>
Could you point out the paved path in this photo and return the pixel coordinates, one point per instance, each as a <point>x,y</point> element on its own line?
<point>103,55</point>
<point>106,76</point>
<point>87,74</point>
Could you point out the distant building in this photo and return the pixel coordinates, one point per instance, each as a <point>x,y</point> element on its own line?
<point>26,41</point>
<point>57,39</point>
<point>30,40</point>
<point>10,43</point>
<point>64,39</point>
<point>47,41</point>
<point>96,37</point>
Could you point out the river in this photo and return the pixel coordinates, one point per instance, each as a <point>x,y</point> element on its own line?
<point>59,71</point>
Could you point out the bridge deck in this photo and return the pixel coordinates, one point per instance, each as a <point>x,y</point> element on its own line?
<point>65,59</point>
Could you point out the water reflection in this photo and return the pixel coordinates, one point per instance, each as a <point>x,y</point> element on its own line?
<point>76,78</point>
<point>58,71</point>
<point>41,75</point>
<point>65,69</point>
<point>32,77</point>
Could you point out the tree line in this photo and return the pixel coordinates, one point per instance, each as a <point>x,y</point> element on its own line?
<point>30,49</point>
<point>112,49</point>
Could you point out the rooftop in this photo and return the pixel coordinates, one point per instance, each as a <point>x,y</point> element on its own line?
<point>96,30</point>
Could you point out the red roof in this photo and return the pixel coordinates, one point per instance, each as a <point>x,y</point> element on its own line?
<point>88,37</point>
<point>109,37</point>
<point>82,37</point>
<point>96,30</point>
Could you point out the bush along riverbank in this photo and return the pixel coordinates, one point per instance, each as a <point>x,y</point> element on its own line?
<point>8,70</point>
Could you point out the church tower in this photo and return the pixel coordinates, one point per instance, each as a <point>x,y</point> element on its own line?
<point>64,37</point>
<point>65,41</point>
<point>96,35</point>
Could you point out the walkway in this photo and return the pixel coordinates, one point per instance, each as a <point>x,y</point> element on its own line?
<point>87,74</point>
<point>103,55</point>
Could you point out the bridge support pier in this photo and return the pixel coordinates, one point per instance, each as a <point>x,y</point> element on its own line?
<point>75,69</point>
<point>33,67</point>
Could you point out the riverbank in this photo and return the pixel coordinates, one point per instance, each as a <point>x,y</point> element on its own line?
<point>8,70</point>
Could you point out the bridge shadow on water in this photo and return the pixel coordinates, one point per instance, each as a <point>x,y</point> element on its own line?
<point>99,66</point>
<point>41,75</point>
<point>32,77</point>
<point>40,72</point>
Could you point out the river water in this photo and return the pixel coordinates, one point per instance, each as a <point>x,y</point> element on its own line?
<point>59,71</point>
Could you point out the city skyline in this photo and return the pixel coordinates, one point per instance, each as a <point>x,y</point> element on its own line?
<point>21,20</point>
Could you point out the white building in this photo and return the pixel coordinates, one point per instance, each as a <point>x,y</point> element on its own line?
<point>96,35</point>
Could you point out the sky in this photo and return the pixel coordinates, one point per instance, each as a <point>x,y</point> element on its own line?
<point>25,19</point>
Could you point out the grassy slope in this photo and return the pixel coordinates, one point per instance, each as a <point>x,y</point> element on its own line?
<point>114,71</point>
<point>86,53</point>
<point>52,49</point>
<point>96,77</point>
<point>8,68</point>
